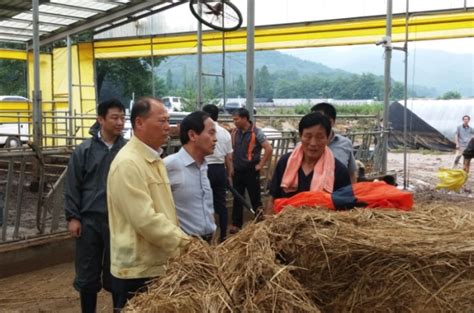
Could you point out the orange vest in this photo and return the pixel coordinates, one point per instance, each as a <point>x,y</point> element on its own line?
<point>251,142</point>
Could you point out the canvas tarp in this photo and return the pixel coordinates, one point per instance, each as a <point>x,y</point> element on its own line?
<point>419,133</point>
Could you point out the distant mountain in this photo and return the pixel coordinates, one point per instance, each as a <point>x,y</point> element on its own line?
<point>184,67</point>
<point>436,71</point>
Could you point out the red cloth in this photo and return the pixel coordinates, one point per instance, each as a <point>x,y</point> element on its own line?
<point>382,195</point>
<point>305,198</point>
<point>373,194</point>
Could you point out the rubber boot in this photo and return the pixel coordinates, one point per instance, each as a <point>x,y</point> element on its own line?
<point>88,302</point>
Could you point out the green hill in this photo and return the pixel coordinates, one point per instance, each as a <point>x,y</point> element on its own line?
<point>184,67</point>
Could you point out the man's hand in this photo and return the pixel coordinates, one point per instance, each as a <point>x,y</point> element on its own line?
<point>74,227</point>
<point>258,167</point>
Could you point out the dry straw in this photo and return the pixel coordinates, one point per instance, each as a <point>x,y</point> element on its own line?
<point>311,260</point>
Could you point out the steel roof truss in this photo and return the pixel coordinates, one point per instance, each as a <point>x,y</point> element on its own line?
<point>139,15</point>
<point>11,39</point>
<point>29,22</point>
<point>73,7</point>
<point>108,17</point>
<point>15,35</point>
<point>58,15</point>
<point>28,30</point>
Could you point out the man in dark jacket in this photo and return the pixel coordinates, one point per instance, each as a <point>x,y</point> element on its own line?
<point>86,202</point>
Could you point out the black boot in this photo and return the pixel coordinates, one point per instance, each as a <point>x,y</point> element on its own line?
<point>88,302</point>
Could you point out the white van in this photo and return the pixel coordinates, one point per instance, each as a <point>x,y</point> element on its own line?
<point>174,104</point>
<point>13,134</point>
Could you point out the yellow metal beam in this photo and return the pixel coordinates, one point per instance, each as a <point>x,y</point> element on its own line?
<point>318,34</point>
<point>355,31</point>
<point>13,54</point>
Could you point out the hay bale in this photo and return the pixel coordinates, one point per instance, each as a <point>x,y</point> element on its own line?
<point>306,260</point>
<point>383,260</point>
<point>240,276</point>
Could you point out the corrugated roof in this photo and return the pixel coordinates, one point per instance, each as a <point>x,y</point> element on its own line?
<point>59,18</point>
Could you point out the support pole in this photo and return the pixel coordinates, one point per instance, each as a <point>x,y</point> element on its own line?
<point>224,91</point>
<point>199,60</point>
<point>37,112</point>
<point>387,84</point>
<point>152,59</point>
<point>405,95</point>
<point>250,56</point>
<point>70,91</point>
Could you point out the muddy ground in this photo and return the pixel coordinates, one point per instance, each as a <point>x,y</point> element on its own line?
<point>422,171</point>
<point>50,289</point>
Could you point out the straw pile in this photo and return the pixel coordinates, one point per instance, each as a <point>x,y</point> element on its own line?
<point>311,260</point>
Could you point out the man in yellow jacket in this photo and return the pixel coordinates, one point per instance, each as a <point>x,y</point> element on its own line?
<point>144,231</point>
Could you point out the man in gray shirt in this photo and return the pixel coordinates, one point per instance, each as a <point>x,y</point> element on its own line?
<point>462,137</point>
<point>187,172</point>
<point>340,146</point>
<point>248,141</point>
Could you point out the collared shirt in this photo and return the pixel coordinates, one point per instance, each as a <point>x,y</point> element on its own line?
<point>109,145</point>
<point>342,149</point>
<point>156,153</point>
<point>464,135</point>
<point>223,146</point>
<point>192,193</point>
<point>144,231</point>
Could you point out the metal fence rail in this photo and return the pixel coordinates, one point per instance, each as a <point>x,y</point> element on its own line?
<point>28,210</point>
<point>38,208</point>
<point>368,148</point>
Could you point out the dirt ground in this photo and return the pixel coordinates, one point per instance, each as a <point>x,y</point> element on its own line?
<point>422,169</point>
<point>50,289</point>
<point>45,290</point>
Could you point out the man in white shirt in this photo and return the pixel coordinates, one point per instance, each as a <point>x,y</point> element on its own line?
<point>187,172</point>
<point>220,169</point>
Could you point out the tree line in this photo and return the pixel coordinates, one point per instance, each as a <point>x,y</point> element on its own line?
<point>126,77</point>
<point>291,85</point>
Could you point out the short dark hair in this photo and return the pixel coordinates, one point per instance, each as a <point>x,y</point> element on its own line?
<point>212,110</point>
<point>106,105</point>
<point>326,108</point>
<point>468,117</point>
<point>141,108</point>
<point>242,112</point>
<point>193,121</point>
<point>314,119</point>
